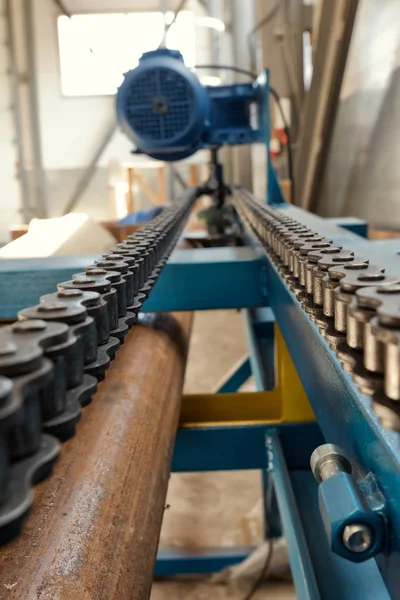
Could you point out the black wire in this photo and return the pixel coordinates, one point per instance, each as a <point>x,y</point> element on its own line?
<point>168,27</point>
<point>264,572</point>
<point>265,18</point>
<point>228,68</point>
<point>251,43</point>
<point>63,8</point>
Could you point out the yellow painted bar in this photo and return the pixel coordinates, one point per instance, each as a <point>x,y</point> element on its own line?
<point>287,403</point>
<point>224,409</point>
<point>295,405</point>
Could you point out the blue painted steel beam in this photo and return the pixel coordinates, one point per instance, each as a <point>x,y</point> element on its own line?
<point>23,281</point>
<point>260,341</point>
<point>197,279</point>
<point>358,226</point>
<point>241,447</point>
<point>337,578</point>
<point>237,378</point>
<point>183,561</point>
<point>300,561</point>
<point>210,278</point>
<point>344,415</point>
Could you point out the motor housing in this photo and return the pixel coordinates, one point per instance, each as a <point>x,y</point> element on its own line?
<point>169,115</point>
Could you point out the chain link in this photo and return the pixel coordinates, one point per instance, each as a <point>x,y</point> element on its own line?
<point>52,358</point>
<point>355,305</point>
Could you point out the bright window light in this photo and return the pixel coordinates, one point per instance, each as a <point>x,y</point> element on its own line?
<point>96,49</point>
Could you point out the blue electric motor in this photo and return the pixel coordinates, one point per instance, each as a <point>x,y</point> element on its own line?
<point>166,112</point>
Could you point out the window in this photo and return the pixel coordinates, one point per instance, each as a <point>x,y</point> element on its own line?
<point>96,49</point>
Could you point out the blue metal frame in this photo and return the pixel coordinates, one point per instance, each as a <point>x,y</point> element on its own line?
<point>345,417</point>
<point>241,447</point>
<point>336,577</point>
<point>233,448</point>
<point>226,278</point>
<point>240,375</point>
<point>274,193</point>
<point>198,279</point>
<point>358,226</point>
<point>260,341</point>
<point>23,281</point>
<point>302,569</point>
<point>210,278</point>
<point>173,561</point>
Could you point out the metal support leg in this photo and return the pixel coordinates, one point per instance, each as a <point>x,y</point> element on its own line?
<point>272,520</point>
<point>300,561</point>
<point>260,340</point>
<point>236,378</point>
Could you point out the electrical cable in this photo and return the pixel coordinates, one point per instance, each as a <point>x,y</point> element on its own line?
<point>228,68</point>
<point>287,53</point>
<point>63,8</point>
<point>264,572</point>
<point>266,18</point>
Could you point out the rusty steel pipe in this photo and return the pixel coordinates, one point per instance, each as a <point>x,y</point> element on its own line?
<point>94,528</point>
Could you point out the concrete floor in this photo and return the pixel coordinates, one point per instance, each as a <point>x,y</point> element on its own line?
<point>214,509</point>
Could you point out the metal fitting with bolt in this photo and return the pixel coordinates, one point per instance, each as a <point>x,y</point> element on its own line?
<point>354,531</point>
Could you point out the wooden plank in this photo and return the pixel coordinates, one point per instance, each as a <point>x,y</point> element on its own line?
<point>94,528</point>
<point>162,192</point>
<point>131,191</point>
<point>146,187</point>
<point>193,176</point>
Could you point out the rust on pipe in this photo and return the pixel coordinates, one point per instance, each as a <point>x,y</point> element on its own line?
<point>94,528</point>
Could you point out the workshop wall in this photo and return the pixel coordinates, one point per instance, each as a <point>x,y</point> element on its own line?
<point>10,193</point>
<point>71,127</point>
<point>362,175</point>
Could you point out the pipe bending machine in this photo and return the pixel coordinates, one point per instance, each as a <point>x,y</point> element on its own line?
<point>321,305</point>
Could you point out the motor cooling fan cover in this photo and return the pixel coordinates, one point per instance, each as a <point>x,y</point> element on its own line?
<point>162,107</point>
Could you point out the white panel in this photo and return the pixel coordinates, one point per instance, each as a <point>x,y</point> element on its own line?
<point>72,127</point>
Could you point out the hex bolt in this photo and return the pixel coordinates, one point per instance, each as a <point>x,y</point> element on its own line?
<point>357,537</point>
<point>328,460</point>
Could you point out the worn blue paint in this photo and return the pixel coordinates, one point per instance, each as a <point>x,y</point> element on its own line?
<point>237,378</point>
<point>241,447</point>
<point>260,341</point>
<point>358,226</point>
<point>197,279</point>
<point>210,278</point>
<point>23,281</point>
<point>337,577</point>
<point>344,415</point>
<point>300,561</point>
<point>183,561</point>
